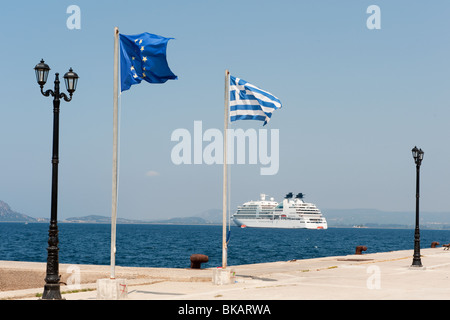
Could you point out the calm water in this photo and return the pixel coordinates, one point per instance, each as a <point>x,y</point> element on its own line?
<point>172,245</point>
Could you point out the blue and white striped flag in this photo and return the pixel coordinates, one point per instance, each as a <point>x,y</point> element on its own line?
<point>248,102</point>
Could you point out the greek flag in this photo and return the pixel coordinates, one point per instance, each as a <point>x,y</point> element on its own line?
<point>248,102</point>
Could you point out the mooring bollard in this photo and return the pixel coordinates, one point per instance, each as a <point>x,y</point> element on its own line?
<point>197,259</point>
<point>359,249</point>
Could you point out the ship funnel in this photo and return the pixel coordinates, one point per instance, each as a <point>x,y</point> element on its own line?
<point>262,197</point>
<point>288,196</point>
<point>300,196</point>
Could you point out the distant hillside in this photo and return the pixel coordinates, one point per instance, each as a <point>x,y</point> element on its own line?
<point>9,215</point>
<point>181,220</point>
<point>98,219</point>
<point>336,218</point>
<point>213,216</point>
<point>377,218</point>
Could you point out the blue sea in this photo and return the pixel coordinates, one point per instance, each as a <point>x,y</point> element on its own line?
<point>148,245</point>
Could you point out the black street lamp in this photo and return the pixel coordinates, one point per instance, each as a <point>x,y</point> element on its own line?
<point>52,286</point>
<point>418,157</point>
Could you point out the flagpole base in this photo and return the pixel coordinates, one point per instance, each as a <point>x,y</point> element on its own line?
<point>223,276</point>
<point>112,289</point>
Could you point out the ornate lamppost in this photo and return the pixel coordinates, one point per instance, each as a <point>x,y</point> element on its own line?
<point>418,157</point>
<point>52,286</point>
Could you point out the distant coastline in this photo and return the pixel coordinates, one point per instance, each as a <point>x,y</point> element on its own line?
<point>337,218</point>
<point>197,221</point>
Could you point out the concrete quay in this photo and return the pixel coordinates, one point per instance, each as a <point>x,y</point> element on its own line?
<point>369,276</point>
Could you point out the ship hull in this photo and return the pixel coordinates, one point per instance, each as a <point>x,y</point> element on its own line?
<point>279,223</point>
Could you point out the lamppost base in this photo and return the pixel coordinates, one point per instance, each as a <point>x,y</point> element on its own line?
<point>52,292</point>
<point>416,267</point>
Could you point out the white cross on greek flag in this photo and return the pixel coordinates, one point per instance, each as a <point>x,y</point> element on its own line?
<point>248,102</point>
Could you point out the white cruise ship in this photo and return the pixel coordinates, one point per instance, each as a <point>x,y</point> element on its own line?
<point>291,213</point>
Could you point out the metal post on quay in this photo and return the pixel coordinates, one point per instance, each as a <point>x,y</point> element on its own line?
<point>418,157</point>
<point>52,279</point>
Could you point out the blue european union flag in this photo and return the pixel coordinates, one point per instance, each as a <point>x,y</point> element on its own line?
<point>143,57</point>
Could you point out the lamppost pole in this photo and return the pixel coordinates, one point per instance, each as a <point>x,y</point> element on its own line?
<point>52,285</point>
<point>418,156</point>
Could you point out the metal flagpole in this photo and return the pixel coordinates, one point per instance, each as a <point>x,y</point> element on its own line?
<point>115,152</point>
<point>224,201</point>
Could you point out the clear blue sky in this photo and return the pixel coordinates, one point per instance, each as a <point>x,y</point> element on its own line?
<point>355,102</point>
